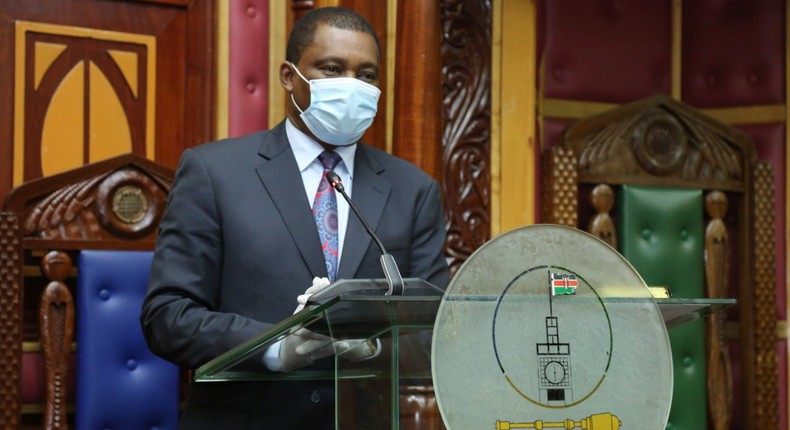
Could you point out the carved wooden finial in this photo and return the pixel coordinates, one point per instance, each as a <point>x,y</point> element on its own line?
<point>601,225</point>
<point>602,198</point>
<point>56,320</point>
<point>716,204</point>
<point>56,266</point>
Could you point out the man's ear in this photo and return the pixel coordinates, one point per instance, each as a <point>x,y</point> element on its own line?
<point>287,77</point>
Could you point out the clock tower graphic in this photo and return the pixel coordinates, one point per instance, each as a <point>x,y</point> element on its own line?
<point>554,357</point>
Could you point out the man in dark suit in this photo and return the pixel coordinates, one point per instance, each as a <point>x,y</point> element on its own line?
<point>239,241</point>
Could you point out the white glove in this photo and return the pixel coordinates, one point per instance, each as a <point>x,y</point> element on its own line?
<point>360,349</point>
<point>302,347</point>
<point>318,285</point>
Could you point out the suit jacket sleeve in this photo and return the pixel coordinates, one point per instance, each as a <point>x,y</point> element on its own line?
<point>179,318</point>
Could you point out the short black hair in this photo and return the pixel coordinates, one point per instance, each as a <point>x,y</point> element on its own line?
<point>304,29</point>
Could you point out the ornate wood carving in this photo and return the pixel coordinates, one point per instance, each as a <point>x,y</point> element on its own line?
<point>659,143</point>
<point>601,224</point>
<point>466,112</point>
<point>559,194</point>
<point>118,199</point>
<point>10,319</point>
<point>716,272</point>
<point>765,372</point>
<point>126,203</point>
<point>659,140</point>
<point>57,332</point>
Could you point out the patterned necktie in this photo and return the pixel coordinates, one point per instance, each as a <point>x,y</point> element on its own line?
<point>325,213</point>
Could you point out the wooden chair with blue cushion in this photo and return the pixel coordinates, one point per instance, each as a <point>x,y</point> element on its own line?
<point>685,200</point>
<point>115,206</point>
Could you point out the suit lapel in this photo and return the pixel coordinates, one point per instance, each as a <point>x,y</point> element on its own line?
<point>280,176</point>
<point>370,194</point>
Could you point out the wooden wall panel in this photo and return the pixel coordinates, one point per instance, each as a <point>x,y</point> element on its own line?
<point>146,65</point>
<point>94,98</point>
<point>418,124</point>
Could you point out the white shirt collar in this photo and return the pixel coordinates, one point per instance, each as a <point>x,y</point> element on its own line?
<point>306,150</point>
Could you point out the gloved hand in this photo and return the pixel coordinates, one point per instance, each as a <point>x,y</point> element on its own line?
<point>359,349</point>
<point>302,346</point>
<point>318,285</point>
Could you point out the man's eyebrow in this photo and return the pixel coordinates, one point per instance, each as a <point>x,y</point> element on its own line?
<point>344,62</point>
<point>370,65</point>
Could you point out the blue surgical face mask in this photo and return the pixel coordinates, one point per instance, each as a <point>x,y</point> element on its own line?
<point>340,110</point>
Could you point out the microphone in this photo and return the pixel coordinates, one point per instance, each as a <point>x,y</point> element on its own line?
<point>388,264</point>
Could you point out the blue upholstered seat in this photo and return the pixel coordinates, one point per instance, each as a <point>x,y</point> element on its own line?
<point>120,383</point>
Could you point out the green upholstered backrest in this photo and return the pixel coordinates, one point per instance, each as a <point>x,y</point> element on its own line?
<point>660,232</point>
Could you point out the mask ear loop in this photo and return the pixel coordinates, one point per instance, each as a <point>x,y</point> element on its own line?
<point>296,69</point>
<point>297,106</point>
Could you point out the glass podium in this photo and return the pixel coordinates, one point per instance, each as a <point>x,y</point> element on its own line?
<point>544,326</point>
<point>368,389</point>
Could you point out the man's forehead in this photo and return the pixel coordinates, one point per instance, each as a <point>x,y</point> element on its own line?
<point>329,41</point>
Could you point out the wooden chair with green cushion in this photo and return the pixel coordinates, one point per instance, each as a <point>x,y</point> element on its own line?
<point>676,191</point>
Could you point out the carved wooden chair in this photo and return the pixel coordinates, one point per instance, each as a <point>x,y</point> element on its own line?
<point>114,204</point>
<point>624,175</point>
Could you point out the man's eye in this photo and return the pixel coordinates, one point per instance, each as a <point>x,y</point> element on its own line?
<point>332,69</point>
<point>367,77</point>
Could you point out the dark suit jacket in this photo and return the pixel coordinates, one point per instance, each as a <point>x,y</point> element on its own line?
<point>238,243</point>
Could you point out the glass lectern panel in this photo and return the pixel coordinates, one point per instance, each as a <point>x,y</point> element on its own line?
<point>379,347</point>
<point>542,326</point>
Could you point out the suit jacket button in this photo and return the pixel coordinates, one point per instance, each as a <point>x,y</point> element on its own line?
<point>315,397</point>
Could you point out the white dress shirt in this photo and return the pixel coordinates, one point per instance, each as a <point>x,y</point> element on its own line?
<point>306,151</point>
